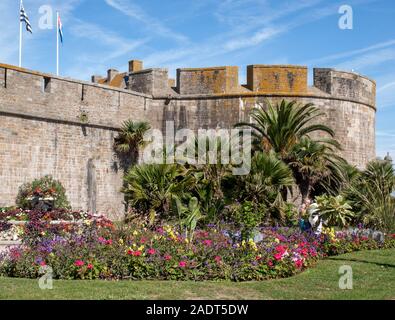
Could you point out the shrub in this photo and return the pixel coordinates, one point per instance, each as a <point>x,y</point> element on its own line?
<point>371,195</point>
<point>44,190</point>
<point>246,218</point>
<point>335,211</point>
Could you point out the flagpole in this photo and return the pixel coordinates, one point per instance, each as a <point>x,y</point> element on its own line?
<point>20,36</point>
<point>57,43</point>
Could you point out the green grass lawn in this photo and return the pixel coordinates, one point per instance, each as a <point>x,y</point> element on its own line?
<point>373,278</point>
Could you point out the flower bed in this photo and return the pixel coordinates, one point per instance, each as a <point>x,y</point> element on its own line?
<point>96,249</point>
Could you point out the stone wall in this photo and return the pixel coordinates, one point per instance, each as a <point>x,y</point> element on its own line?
<point>66,128</point>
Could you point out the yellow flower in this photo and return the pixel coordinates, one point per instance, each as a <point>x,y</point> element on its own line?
<point>120,241</point>
<point>135,233</point>
<point>141,248</point>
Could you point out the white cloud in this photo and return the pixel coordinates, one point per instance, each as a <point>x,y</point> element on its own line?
<point>351,53</point>
<point>370,59</point>
<point>113,45</point>
<point>386,87</point>
<point>134,11</point>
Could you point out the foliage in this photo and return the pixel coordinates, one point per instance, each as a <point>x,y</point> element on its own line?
<point>316,165</point>
<point>129,141</point>
<point>335,211</point>
<point>282,126</point>
<point>150,188</point>
<point>286,129</point>
<point>188,216</point>
<point>247,217</point>
<point>370,194</point>
<point>46,188</point>
<point>97,250</point>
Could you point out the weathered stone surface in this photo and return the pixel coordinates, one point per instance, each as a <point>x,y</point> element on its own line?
<point>271,79</point>
<point>66,128</point>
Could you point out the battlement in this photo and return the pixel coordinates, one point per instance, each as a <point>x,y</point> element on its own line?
<point>277,80</point>
<point>213,80</point>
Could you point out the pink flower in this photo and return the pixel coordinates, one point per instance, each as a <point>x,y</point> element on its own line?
<point>79,263</point>
<point>167,257</point>
<point>102,240</point>
<point>109,242</point>
<point>218,259</point>
<point>278,256</point>
<point>182,264</point>
<point>143,240</point>
<point>43,264</point>
<point>208,243</point>
<point>270,263</point>
<point>299,264</point>
<point>90,266</point>
<point>151,251</point>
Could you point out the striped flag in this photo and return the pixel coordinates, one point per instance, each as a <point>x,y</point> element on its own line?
<point>24,18</point>
<point>60,27</point>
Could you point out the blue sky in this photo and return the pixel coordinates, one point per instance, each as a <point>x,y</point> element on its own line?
<point>100,34</point>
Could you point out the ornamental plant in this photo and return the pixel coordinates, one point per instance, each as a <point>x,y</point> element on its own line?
<point>98,250</point>
<point>44,193</point>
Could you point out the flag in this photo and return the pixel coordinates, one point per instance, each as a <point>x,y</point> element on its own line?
<point>24,18</point>
<point>60,27</point>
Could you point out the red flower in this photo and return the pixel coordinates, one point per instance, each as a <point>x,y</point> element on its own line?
<point>109,242</point>
<point>299,264</point>
<point>278,256</point>
<point>270,263</point>
<point>79,263</point>
<point>218,259</point>
<point>208,243</point>
<point>130,252</point>
<point>143,240</point>
<point>137,253</point>
<point>151,251</point>
<point>90,266</point>
<point>167,257</point>
<point>182,264</point>
<point>258,258</point>
<point>43,264</point>
<point>393,236</point>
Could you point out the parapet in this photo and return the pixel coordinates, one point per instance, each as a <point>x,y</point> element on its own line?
<point>213,80</point>
<point>277,78</point>
<point>345,85</point>
<point>150,81</point>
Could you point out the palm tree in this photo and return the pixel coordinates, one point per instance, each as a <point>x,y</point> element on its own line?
<point>316,164</point>
<point>151,188</point>
<point>283,125</point>
<point>286,129</point>
<point>129,141</point>
<point>269,178</point>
